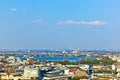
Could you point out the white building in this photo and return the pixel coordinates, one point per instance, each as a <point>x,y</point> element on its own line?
<point>31,72</point>
<point>84,66</point>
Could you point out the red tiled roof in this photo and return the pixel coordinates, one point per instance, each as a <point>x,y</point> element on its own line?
<point>73,69</point>
<point>117,63</point>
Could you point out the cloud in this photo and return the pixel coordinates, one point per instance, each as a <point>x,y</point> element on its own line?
<point>93,23</point>
<point>37,21</point>
<point>13,9</point>
<point>68,22</point>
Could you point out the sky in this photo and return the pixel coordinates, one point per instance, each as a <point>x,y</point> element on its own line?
<point>59,24</point>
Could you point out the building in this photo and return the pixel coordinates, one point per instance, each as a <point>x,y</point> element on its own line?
<point>31,72</point>
<point>55,75</point>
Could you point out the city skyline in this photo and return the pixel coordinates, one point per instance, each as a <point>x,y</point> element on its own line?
<point>59,24</point>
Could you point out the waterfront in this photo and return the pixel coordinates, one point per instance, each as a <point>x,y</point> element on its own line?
<point>60,58</point>
<point>56,65</point>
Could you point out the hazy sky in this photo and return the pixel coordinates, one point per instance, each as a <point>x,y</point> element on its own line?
<point>53,24</point>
